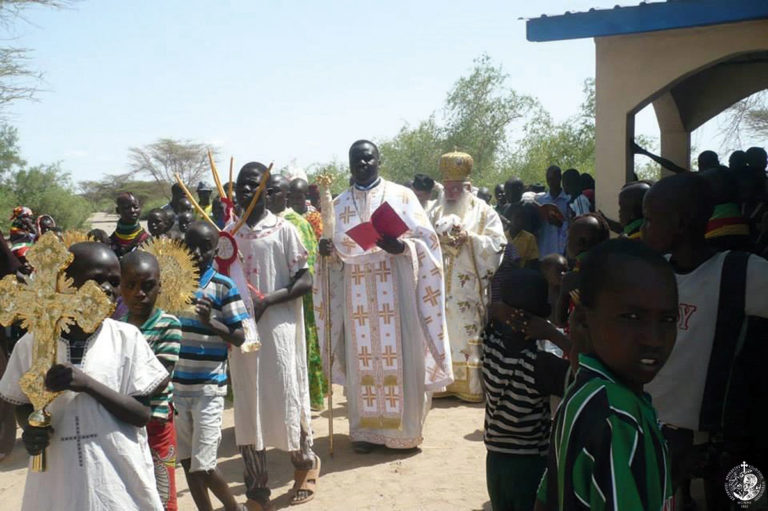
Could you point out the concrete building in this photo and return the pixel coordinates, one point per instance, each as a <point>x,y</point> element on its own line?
<point>691,59</point>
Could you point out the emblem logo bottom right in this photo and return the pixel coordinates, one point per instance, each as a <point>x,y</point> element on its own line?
<point>744,484</point>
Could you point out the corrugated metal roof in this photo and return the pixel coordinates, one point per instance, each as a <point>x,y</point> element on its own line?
<point>645,17</point>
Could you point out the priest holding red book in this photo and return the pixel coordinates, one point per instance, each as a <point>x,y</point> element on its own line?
<point>388,334</point>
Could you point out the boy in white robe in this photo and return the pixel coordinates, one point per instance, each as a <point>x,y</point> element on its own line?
<point>97,451</point>
<point>271,386</point>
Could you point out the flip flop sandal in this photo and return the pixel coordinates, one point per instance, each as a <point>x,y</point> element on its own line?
<point>305,480</point>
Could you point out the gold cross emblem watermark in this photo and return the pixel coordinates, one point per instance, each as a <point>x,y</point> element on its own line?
<point>47,304</point>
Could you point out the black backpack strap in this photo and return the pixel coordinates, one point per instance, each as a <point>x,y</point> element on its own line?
<point>730,318</point>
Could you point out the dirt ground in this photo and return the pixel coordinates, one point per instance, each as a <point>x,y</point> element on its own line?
<point>447,474</point>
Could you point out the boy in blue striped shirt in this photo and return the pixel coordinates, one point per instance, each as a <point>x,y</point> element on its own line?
<point>200,378</point>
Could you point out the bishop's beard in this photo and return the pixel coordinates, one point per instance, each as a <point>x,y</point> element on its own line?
<point>459,207</point>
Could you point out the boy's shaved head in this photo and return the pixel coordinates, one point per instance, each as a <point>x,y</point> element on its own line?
<point>585,232</point>
<point>553,263</point>
<point>204,229</point>
<point>527,290</point>
<point>676,208</point>
<point>723,183</point>
<point>708,160</point>
<point>89,252</point>
<point>631,201</point>
<point>140,258</point>
<point>687,193</point>
<point>95,261</point>
<point>603,264</point>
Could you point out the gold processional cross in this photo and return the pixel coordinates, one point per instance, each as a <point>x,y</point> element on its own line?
<point>47,304</point>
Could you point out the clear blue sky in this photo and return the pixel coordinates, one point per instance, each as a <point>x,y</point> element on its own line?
<point>271,81</point>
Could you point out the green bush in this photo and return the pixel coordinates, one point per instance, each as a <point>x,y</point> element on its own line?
<point>46,190</point>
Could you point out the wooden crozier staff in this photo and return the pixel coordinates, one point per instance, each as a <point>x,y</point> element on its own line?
<point>48,304</point>
<point>329,223</point>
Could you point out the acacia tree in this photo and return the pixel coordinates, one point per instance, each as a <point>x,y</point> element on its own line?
<point>17,79</point>
<point>749,116</point>
<point>163,159</point>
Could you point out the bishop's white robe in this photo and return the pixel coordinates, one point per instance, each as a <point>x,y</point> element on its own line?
<point>95,461</point>
<point>468,271</point>
<point>271,387</point>
<point>388,333</point>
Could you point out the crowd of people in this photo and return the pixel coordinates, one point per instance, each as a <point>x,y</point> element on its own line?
<point>618,359</point>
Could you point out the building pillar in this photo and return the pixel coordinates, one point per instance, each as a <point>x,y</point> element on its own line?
<point>675,139</point>
<point>614,128</point>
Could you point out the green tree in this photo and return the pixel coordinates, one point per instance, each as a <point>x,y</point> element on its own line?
<point>337,169</point>
<point>163,159</point>
<point>479,110</point>
<point>48,189</point>
<point>569,144</point>
<point>412,151</point>
<point>10,153</point>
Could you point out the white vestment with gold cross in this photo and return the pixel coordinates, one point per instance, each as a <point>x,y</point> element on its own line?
<point>387,318</point>
<point>468,271</point>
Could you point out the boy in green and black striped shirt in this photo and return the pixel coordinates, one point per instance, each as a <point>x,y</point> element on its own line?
<point>140,285</point>
<point>606,449</point>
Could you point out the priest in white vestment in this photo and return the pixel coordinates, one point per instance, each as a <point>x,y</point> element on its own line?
<point>472,238</point>
<point>271,388</point>
<point>388,333</point>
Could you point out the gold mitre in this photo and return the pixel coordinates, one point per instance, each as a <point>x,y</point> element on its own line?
<point>456,166</point>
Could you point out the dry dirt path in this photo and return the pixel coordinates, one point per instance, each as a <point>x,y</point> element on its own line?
<point>447,474</point>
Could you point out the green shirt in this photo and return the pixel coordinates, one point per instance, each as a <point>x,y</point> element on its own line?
<point>163,333</point>
<point>606,449</point>
<point>306,233</point>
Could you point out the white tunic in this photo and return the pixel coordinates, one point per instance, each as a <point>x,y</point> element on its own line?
<point>95,461</point>
<point>271,385</point>
<point>678,388</point>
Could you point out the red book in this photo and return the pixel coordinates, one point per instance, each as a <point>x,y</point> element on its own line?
<point>384,222</point>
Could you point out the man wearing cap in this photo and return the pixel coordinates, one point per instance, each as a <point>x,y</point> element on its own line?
<point>172,208</point>
<point>386,309</point>
<point>204,191</point>
<point>472,238</point>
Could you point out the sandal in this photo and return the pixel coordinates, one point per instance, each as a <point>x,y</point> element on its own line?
<point>305,480</point>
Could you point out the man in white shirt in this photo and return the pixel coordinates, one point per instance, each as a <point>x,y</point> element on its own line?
<point>676,212</point>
